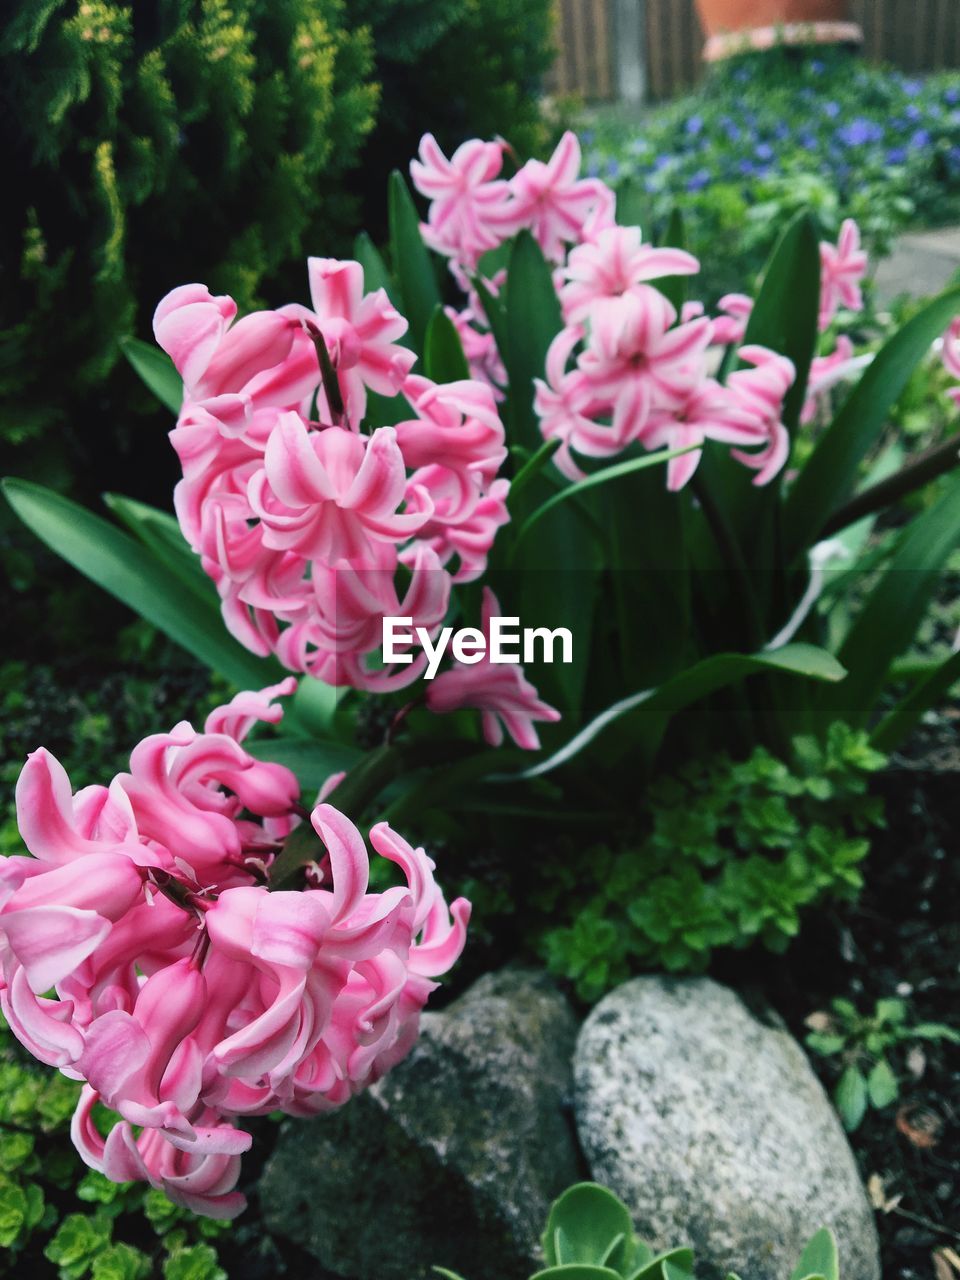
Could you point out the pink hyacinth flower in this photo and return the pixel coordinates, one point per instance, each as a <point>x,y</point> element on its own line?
<point>950,352</point>
<point>761,391</point>
<point>361,330</point>
<point>501,693</point>
<point>730,326</point>
<point>710,412</point>
<point>843,267</point>
<point>469,205</point>
<point>600,272</point>
<point>552,200</point>
<point>326,494</point>
<point>640,343</point>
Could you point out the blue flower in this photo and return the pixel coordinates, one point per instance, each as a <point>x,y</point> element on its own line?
<point>587,136</point>
<point>695,125</point>
<point>764,151</point>
<point>747,168</point>
<point>858,132</point>
<point>699,180</point>
<point>816,66</point>
<point>831,110</point>
<point>613,168</point>
<point>912,87</point>
<point>952,97</point>
<point>920,140</point>
<point>896,155</point>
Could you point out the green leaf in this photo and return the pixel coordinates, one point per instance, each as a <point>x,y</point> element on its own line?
<point>494,311</point>
<point>680,1260</point>
<point>850,1097</point>
<point>375,273</point>
<point>819,1258</point>
<point>673,288</point>
<point>888,621</point>
<point>656,706</point>
<point>633,204</point>
<point>577,1271</point>
<point>448,1275</point>
<point>443,358</point>
<point>615,472</point>
<point>533,320</point>
<point>592,1223</point>
<point>156,370</point>
<point>784,317</point>
<point>314,706</point>
<point>139,578</point>
<point>909,711</point>
<point>312,761</point>
<point>831,471</point>
<point>160,531</point>
<point>882,1086</point>
<point>531,469</point>
<point>412,264</point>
<point>934,1031</point>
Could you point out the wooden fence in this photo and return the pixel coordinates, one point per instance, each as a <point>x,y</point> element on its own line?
<point>632,48</point>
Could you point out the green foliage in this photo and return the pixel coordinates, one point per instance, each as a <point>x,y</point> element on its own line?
<point>735,852</point>
<point>862,1045</point>
<point>422,48</point>
<point>155,144</point>
<point>590,1236</point>
<point>770,134</point>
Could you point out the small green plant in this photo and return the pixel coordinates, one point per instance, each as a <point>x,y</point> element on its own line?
<point>862,1045</point>
<point>589,1236</point>
<point>734,853</point>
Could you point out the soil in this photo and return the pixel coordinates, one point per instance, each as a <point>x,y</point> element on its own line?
<point>901,939</point>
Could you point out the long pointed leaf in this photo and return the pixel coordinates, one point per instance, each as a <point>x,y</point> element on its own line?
<point>831,471</point>
<point>533,320</point>
<point>443,358</point>
<point>888,620</point>
<point>655,706</point>
<point>160,532</point>
<point>908,713</point>
<point>157,371</point>
<point>412,264</point>
<point>608,474</point>
<point>139,578</point>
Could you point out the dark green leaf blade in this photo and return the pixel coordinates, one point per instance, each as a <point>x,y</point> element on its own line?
<point>140,579</point>
<point>157,371</point>
<point>831,471</point>
<point>443,358</point>
<point>412,264</point>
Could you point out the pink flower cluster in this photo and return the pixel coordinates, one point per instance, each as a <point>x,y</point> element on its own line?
<point>303,519</point>
<point>626,367</point>
<point>186,993</point>
<point>950,353</point>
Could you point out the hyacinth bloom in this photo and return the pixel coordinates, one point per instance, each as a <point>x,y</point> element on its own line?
<point>362,332</point>
<point>601,272</point>
<point>304,523</point>
<point>186,992</point>
<point>842,268</point>
<point>501,692</point>
<point>469,205</point>
<point>553,202</point>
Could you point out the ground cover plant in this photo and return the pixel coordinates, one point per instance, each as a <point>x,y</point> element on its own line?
<point>589,1236</point>
<point>398,449</point>
<point>771,133</point>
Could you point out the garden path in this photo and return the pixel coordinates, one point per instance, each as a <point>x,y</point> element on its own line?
<point>921,265</point>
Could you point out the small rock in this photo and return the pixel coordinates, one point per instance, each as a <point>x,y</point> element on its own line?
<point>453,1159</point>
<point>715,1132</point>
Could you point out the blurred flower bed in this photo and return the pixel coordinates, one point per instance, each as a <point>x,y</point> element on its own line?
<point>767,135</point>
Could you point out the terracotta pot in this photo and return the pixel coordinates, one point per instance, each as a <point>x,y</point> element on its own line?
<point>734,25</point>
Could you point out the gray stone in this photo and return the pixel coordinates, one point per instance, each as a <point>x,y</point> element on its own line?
<point>714,1130</point>
<point>922,263</point>
<point>452,1159</point>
